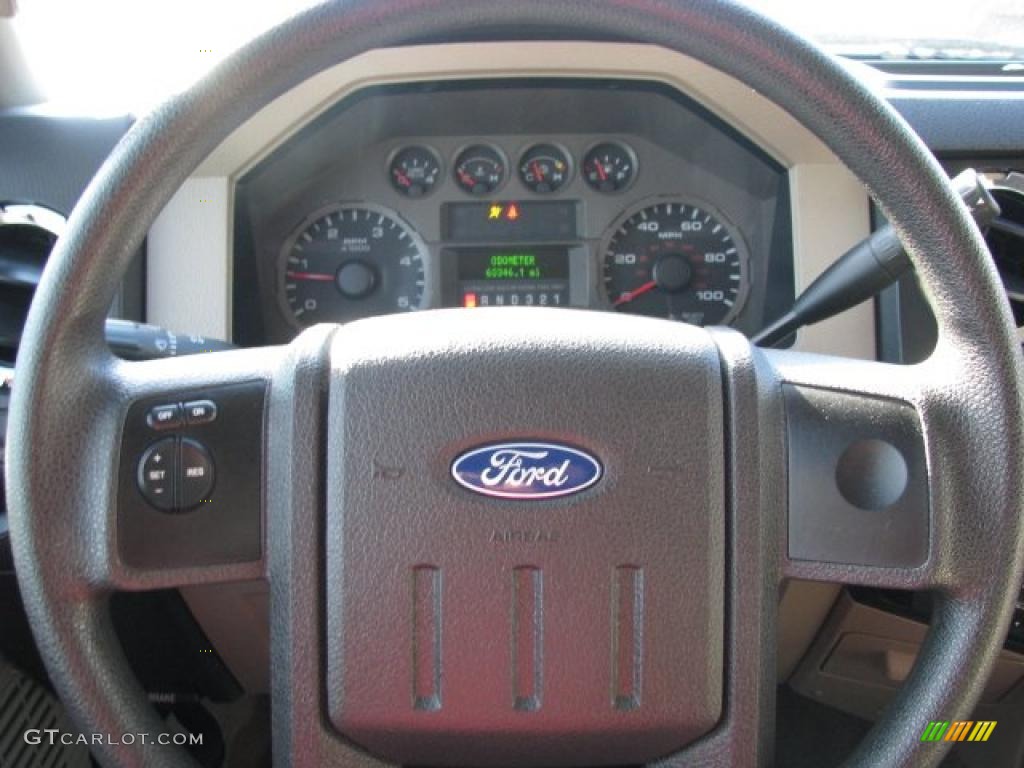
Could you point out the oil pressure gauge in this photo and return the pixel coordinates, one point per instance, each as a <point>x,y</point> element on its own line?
<point>480,169</point>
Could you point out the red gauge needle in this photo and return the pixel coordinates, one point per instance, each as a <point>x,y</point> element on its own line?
<point>467,180</point>
<point>639,291</point>
<point>537,172</point>
<point>599,167</point>
<point>319,276</point>
<point>402,178</point>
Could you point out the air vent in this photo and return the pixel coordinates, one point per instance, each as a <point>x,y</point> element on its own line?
<point>27,235</point>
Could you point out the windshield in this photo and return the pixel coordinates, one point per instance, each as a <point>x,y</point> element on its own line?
<point>978,29</point>
<point>130,55</point>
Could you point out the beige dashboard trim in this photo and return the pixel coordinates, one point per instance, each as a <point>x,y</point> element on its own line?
<point>189,248</point>
<point>192,238</point>
<point>760,120</point>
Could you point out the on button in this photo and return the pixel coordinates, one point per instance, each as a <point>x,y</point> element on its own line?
<point>200,411</point>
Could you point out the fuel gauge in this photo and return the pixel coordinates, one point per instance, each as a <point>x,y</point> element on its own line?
<point>609,167</point>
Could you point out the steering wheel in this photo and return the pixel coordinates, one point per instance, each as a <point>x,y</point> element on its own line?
<point>400,631</point>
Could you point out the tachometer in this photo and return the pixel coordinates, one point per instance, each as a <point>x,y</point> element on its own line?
<point>676,260</point>
<point>350,261</point>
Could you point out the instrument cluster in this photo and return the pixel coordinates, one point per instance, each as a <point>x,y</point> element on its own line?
<point>614,220</point>
<point>670,258</point>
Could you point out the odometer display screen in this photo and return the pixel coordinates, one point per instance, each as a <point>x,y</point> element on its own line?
<point>517,264</point>
<point>494,276</point>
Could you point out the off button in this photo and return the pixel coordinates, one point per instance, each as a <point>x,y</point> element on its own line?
<point>195,474</point>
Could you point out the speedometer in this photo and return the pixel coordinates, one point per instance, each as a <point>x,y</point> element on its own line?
<point>676,260</point>
<point>350,261</point>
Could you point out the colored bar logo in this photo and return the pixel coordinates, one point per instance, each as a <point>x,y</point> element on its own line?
<point>959,730</point>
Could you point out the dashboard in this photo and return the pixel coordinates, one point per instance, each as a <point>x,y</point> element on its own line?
<point>588,175</point>
<point>608,195</point>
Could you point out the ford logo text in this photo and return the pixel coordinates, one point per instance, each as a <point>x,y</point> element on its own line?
<point>526,470</point>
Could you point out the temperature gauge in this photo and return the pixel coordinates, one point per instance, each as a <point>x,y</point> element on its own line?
<point>414,171</point>
<point>609,167</point>
<point>480,169</point>
<point>544,168</point>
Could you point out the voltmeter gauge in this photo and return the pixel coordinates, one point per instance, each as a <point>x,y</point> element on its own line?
<point>544,168</point>
<point>609,167</point>
<point>414,171</point>
<point>676,260</point>
<point>480,169</point>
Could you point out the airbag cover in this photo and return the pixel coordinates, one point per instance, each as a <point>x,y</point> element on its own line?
<point>466,629</point>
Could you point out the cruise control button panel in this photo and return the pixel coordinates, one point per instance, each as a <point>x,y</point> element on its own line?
<point>190,486</point>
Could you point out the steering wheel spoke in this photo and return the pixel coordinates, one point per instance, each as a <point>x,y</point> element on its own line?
<point>187,448</point>
<point>871,449</point>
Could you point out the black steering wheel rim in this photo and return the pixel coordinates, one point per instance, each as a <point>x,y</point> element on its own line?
<point>64,362</point>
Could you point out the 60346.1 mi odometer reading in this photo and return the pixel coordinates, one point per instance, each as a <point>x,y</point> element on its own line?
<point>676,260</point>
<point>350,261</point>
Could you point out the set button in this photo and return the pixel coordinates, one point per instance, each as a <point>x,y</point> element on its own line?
<point>158,469</point>
<point>176,474</point>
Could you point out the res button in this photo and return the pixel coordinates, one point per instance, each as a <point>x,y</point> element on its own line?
<point>157,474</point>
<point>196,474</point>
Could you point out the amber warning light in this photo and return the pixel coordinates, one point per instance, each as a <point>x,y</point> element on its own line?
<point>511,221</point>
<point>509,212</point>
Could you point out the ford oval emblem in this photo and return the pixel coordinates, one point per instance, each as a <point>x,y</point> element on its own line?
<point>526,470</point>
